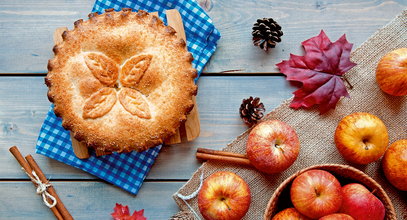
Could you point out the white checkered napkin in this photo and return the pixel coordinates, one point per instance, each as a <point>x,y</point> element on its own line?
<point>129,170</point>
<point>202,35</point>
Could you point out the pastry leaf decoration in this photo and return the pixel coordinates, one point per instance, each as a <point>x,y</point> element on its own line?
<point>99,103</point>
<point>320,71</point>
<point>133,101</point>
<point>134,69</point>
<point>107,72</point>
<point>103,68</point>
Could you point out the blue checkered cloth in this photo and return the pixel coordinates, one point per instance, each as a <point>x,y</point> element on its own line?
<point>128,170</point>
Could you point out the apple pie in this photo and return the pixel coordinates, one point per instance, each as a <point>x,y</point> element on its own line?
<point>121,81</point>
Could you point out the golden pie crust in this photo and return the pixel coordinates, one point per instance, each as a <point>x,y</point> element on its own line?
<point>121,81</point>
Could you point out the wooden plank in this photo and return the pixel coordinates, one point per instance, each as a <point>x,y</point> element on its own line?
<point>190,129</point>
<point>25,46</point>
<point>87,200</point>
<point>24,105</point>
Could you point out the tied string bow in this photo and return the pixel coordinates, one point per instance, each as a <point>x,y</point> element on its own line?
<point>42,189</point>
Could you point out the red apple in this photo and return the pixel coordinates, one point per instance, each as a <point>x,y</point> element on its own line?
<point>361,138</point>
<point>224,195</point>
<point>316,193</point>
<point>272,146</point>
<point>290,214</point>
<point>391,72</point>
<point>360,203</point>
<point>395,164</point>
<point>337,216</point>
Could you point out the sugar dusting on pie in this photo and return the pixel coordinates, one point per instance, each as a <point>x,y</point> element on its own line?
<point>121,81</point>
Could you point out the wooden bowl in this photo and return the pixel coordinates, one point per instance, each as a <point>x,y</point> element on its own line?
<point>344,173</point>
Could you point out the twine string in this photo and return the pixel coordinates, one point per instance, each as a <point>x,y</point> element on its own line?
<point>42,189</point>
<point>193,195</point>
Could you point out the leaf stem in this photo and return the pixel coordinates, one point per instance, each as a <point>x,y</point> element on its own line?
<point>347,82</point>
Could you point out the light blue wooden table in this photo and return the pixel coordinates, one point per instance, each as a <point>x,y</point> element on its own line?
<point>26,29</point>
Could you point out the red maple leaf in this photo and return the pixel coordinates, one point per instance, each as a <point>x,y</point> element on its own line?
<point>320,71</point>
<point>123,213</point>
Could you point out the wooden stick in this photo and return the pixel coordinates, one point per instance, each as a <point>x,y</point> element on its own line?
<point>209,154</point>
<point>102,153</point>
<point>60,206</point>
<point>190,129</point>
<point>218,152</point>
<point>24,164</point>
<point>79,148</point>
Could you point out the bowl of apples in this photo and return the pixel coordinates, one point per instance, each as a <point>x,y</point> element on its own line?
<point>329,192</point>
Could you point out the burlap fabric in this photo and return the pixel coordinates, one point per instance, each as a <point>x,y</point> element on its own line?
<point>316,131</point>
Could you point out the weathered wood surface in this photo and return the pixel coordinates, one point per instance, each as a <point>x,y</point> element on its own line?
<point>23,106</point>
<point>26,28</point>
<point>300,20</point>
<point>87,200</point>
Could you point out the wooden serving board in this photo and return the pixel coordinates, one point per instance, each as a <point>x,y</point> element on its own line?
<point>188,131</point>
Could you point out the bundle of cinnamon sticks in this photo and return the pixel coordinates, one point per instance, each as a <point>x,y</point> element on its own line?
<point>32,169</point>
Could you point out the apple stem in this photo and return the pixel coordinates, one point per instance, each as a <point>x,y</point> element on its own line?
<point>347,82</point>
<point>316,192</point>
<point>282,150</point>
<point>277,145</point>
<point>223,200</point>
<point>366,145</point>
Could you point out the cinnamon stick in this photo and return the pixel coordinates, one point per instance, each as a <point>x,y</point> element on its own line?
<point>209,154</point>
<point>26,166</point>
<point>60,206</point>
<point>20,159</point>
<point>218,152</point>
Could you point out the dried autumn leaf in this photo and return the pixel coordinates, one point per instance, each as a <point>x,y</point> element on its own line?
<point>320,71</point>
<point>123,213</point>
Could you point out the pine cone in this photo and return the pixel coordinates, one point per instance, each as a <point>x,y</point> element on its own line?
<point>251,110</point>
<point>266,33</point>
<point>183,215</point>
